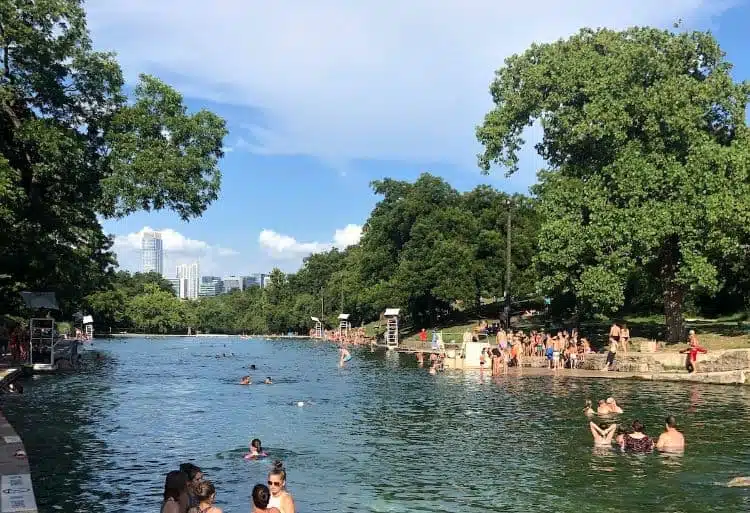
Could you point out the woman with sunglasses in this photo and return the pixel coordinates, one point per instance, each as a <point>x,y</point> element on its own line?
<point>280,497</point>
<point>261,496</point>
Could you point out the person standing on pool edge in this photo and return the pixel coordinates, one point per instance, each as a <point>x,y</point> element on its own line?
<point>280,497</point>
<point>693,349</point>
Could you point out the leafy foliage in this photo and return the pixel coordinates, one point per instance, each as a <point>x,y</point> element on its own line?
<point>645,136</point>
<point>72,148</point>
<point>426,248</point>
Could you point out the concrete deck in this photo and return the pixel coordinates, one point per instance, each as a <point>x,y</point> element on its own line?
<point>16,489</point>
<point>724,367</point>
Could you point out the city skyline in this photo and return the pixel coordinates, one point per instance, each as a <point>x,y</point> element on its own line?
<point>153,254</point>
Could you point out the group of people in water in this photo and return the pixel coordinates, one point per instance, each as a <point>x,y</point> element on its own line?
<point>631,438</point>
<point>186,490</point>
<point>248,380</point>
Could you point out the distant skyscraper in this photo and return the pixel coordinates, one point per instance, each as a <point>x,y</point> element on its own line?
<point>250,281</point>
<point>232,283</point>
<point>189,277</point>
<point>152,253</point>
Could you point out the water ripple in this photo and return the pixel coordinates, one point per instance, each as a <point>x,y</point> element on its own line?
<point>380,435</point>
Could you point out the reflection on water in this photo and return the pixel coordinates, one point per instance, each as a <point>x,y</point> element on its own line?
<point>379,435</point>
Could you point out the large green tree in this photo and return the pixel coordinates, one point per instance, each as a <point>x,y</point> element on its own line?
<point>72,148</point>
<point>648,158</point>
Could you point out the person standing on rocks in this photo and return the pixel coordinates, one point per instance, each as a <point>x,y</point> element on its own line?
<point>692,351</point>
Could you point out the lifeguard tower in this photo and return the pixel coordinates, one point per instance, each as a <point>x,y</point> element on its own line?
<point>391,327</point>
<point>88,327</point>
<point>344,324</point>
<point>318,330</point>
<point>47,350</point>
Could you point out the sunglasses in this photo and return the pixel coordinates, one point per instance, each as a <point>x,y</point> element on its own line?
<point>274,483</point>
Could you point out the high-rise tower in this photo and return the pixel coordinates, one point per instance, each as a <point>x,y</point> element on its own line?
<point>152,253</point>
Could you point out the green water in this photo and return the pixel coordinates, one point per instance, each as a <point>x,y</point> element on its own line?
<point>380,435</point>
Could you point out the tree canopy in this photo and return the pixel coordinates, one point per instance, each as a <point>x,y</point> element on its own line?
<point>426,248</point>
<point>648,160</point>
<point>73,149</point>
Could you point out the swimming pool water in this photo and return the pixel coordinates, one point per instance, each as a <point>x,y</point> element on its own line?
<point>379,435</point>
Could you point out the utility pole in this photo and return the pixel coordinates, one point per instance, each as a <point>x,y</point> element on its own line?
<point>321,305</point>
<point>507,264</point>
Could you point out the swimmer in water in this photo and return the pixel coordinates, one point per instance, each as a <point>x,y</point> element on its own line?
<point>256,451</point>
<point>345,356</point>
<point>739,481</point>
<point>588,410</point>
<point>602,433</point>
<point>252,367</point>
<point>268,381</point>
<point>245,380</point>
<point>613,406</point>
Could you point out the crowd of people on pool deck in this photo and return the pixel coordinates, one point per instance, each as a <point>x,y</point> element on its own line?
<point>186,490</point>
<point>631,438</point>
<point>354,336</point>
<point>565,349</point>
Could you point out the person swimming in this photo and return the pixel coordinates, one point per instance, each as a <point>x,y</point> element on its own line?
<point>268,381</point>
<point>345,356</point>
<point>588,410</point>
<point>245,380</point>
<point>602,433</point>
<point>256,450</point>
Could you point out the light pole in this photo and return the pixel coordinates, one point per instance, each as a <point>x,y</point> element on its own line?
<point>507,263</point>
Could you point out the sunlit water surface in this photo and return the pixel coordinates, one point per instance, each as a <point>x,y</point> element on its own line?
<point>380,435</point>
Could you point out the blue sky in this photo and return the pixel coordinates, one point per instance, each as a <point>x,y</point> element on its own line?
<point>323,97</point>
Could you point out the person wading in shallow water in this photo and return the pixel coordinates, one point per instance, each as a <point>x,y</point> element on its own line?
<point>195,476</point>
<point>206,494</point>
<point>280,498</point>
<point>671,440</point>
<point>175,493</point>
<point>261,496</point>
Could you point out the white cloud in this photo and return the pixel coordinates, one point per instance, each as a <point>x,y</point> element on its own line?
<point>347,236</point>
<point>178,249</point>
<point>368,79</point>
<point>285,247</point>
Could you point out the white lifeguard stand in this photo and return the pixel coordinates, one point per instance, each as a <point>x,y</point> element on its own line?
<point>344,324</point>
<point>88,327</point>
<point>391,327</point>
<point>318,328</point>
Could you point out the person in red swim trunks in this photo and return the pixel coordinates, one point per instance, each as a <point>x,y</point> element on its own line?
<point>692,350</point>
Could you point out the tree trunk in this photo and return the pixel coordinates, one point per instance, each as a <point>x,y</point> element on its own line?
<point>673,297</point>
<point>673,292</point>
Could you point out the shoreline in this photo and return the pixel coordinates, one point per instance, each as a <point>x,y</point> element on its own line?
<point>201,335</point>
<point>15,472</point>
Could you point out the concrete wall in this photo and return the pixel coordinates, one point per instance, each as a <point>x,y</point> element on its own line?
<point>713,361</point>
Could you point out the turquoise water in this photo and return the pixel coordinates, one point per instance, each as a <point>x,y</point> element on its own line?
<point>380,435</point>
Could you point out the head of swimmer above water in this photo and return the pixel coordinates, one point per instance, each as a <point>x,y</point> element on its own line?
<point>277,478</point>
<point>255,446</point>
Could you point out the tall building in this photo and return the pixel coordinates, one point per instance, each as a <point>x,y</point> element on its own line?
<point>175,286</point>
<point>152,253</point>
<point>210,286</point>
<point>232,283</point>
<point>189,278</point>
<point>250,281</point>
<point>265,280</point>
